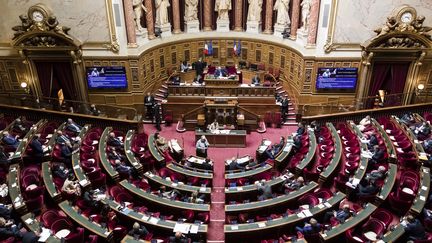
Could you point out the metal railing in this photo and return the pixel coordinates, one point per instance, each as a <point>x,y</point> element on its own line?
<point>78,107</point>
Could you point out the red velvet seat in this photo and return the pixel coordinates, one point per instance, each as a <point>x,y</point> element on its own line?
<point>308,199</point>
<point>29,180</point>
<point>123,197</point>
<point>49,217</point>
<point>33,193</point>
<point>168,117</point>
<point>189,215</point>
<point>383,215</point>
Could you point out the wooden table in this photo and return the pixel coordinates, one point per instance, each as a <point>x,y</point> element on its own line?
<point>211,80</point>
<point>232,139</point>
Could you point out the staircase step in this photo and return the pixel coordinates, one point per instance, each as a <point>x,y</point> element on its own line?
<point>289,123</point>
<point>164,86</point>
<point>160,95</point>
<point>162,90</point>
<point>291,108</point>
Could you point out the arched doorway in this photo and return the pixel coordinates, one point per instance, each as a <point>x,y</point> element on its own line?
<point>53,57</point>
<point>391,60</point>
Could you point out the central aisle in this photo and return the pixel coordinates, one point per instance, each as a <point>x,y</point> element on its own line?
<point>217,209</point>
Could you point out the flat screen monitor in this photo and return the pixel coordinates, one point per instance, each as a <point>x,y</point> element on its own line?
<point>111,77</point>
<point>336,79</point>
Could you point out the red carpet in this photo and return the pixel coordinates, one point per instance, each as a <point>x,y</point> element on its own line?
<point>219,155</point>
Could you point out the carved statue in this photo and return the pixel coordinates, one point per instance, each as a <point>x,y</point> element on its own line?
<point>390,25</point>
<point>162,12</point>
<point>25,25</point>
<point>419,28</point>
<point>53,24</point>
<point>282,7</point>
<point>222,7</point>
<point>138,8</point>
<point>191,10</point>
<point>305,13</point>
<point>254,11</point>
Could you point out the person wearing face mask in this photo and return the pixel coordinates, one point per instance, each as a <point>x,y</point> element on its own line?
<point>201,147</point>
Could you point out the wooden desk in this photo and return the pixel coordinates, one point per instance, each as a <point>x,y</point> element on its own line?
<point>282,157</point>
<point>277,201</point>
<point>49,183</point>
<point>189,172</point>
<point>130,239</point>
<point>423,191</point>
<point>328,171</point>
<point>282,221</point>
<point>361,170</point>
<point>151,143</point>
<point>76,163</point>
<point>179,186</point>
<point>52,142</point>
<point>85,222</point>
<point>164,201</point>
<point>129,154</point>
<point>19,152</point>
<point>349,223</point>
<point>394,235</point>
<point>310,154</point>
<point>167,225</point>
<point>103,155</point>
<point>35,225</point>
<point>388,183</point>
<point>238,192</point>
<point>247,173</point>
<point>14,187</point>
<point>211,80</point>
<point>233,139</point>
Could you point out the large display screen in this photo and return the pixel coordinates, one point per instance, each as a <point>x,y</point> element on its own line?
<point>106,77</point>
<point>344,79</point>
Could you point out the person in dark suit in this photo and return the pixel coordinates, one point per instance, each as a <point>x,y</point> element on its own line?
<point>19,126</point>
<point>372,141</point>
<point>89,199</point>
<point>310,228</point>
<point>178,238</point>
<point>376,174</point>
<point>297,142</point>
<point>8,228</point>
<point>378,155</point>
<point>284,108</point>
<point>114,141</point>
<point>235,166</point>
<point>6,211</point>
<point>367,190</point>
<point>264,191</point>
<point>220,72</point>
<point>138,231</point>
<point>300,129</point>
<point>60,171</point>
<point>414,229</point>
<point>149,102</point>
<point>158,116</point>
<point>94,111</point>
<point>114,155</point>
<point>10,140</point>
<point>72,126</point>
<point>36,146</point>
<point>62,138</point>
<point>66,153</point>
<point>30,237</point>
<point>4,159</point>
<point>256,79</point>
<point>341,215</point>
<point>121,167</point>
<point>199,67</point>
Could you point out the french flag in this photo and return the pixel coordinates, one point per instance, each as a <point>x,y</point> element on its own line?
<point>235,48</point>
<point>206,48</point>
<point>210,48</point>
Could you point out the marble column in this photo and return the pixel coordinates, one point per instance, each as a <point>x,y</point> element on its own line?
<point>295,15</point>
<point>238,24</point>
<point>149,19</point>
<point>130,23</point>
<point>176,16</point>
<point>208,13</point>
<point>268,17</point>
<point>313,22</point>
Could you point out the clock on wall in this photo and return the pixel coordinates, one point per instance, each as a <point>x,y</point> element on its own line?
<point>406,14</point>
<point>38,13</point>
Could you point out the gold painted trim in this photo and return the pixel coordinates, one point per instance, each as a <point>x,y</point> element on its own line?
<point>330,45</point>
<point>113,45</point>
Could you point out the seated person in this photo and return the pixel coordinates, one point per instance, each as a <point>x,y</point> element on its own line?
<point>4,158</point>
<point>72,126</point>
<point>172,195</point>
<point>60,171</point>
<point>378,155</point>
<point>264,191</point>
<point>6,210</point>
<point>71,186</point>
<point>38,149</point>
<point>301,129</point>
<point>114,141</point>
<point>207,165</point>
<point>114,155</point>
<point>175,80</point>
<point>315,126</point>
<point>10,140</point>
<point>423,131</point>
<point>20,126</point>
<point>184,67</point>
<point>196,198</point>
<point>427,145</point>
<point>62,138</point>
<point>256,79</point>
<point>293,185</point>
<point>90,199</point>
<point>220,72</point>
<point>138,231</point>
<point>122,168</point>
<point>213,126</point>
<point>275,148</point>
<point>107,215</point>
<point>373,141</point>
<point>178,238</point>
<point>414,230</point>
<point>376,174</point>
<point>66,153</point>
<point>94,111</point>
<point>364,123</point>
<point>409,120</point>
<point>161,142</point>
<point>341,215</point>
<point>310,228</point>
<point>367,189</point>
<point>9,229</point>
